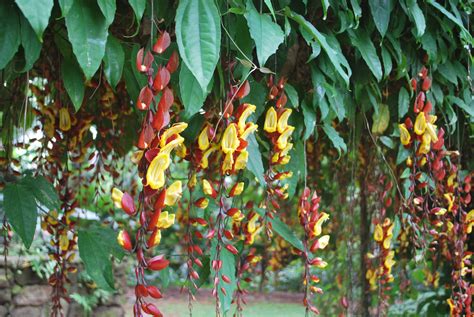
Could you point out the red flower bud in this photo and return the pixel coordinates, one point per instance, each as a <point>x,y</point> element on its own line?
<point>145,98</point>
<point>128,204</point>
<point>158,263</point>
<point>426,84</point>
<point>162,43</point>
<point>231,249</point>
<point>173,62</point>
<point>154,292</point>
<point>141,291</point>
<point>162,79</point>
<point>144,64</point>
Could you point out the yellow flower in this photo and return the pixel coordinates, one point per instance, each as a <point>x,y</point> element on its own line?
<point>317,226</point>
<point>237,189</point>
<point>166,220</point>
<point>470,221</point>
<point>117,197</point>
<point>251,240</point>
<point>228,162</point>
<point>157,238</point>
<point>387,242</point>
<point>238,216</point>
<point>172,145</point>
<point>449,198</point>
<point>431,130</point>
<point>203,139</point>
<point>283,121</point>
<point>420,123</point>
<point>173,193</point>
<point>251,128</point>
<point>207,187</point>
<point>64,119</point>
<point>452,306</point>
<point>136,157</point>
<point>323,241</point>
<point>249,109</point>
<point>378,233</point>
<point>230,141</point>
<point>451,179</point>
<point>175,129</point>
<point>241,160</point>
<point>64,242</point>
<point>251,226</point>
<point>282,140</point>
<point>155,175</point>
<point>404,134</point>
<point>270,125</point>
<point>205,157</point>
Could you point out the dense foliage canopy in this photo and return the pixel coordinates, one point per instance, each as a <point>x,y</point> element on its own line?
<point>241,137</point>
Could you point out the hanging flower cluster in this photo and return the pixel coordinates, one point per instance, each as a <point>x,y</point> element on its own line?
<point>383,258</point>
<point>156,144</point>
<point>279,132</point>
<point>311,219</point>
<point>438,194</point>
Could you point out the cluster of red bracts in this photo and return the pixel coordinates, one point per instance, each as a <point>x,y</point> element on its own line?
<point>311,219</point>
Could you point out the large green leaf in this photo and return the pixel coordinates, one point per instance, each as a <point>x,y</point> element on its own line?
<point>10,32</point>
<point>87,32</point>
<point>266,34</point>
<point>228,268</point>
<point>31,44</point>
<point>21,211</point>
<point>192,95</point>
<point>198,33</point>
<point>43,191</point>
<point>361,39</point>
<point>380,119</point>
<point>65,6</point>
<point>255,164</point>
<point>380,10</point>
<point>73,82</point>
<point>138,7</point>
<point>337,58</point>
<point>335,138</point>
<point>108,9</point>
<point>417,16</point>
<point>309,119</point>
<point>37,12</point>
<point>283,230</point>
<point>113,61</point>
<point>403,102</point>
<point>96,245</point>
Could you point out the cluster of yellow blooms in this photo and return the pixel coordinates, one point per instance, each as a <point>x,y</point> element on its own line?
<point>276,124</point>
<point>383,236</point>
<point>424,129</point>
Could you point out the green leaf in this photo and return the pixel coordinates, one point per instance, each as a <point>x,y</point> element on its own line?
<point>255,164</point>
<point>380,10</point>
<point>417,16</point>
<point>96,245</point>
<point>387,62</point>
<point>21,211</point>
<point>43,191</point>
<point>191,92</point>
<point>296,166</point>
<point>361,39</point>
<point>228,268</point>
<point>31,44</point>
<point>10,32</point>
<point>309,120</point>
<point>337,58</point>
<point>387,141</point>
<point>403,102</point>
<point>87,32</point>
<point>326,5</point>
<point>336,140</point>
<point>381,119</point>
<point>292,95</point>
<point>283,230</point>
<point>37,12</point>
<point>108,8</point>
<point>65,6</point>
<point>114,59</point>
<point>269,5</point>
<point>266,34</point>
<point>138,7</point>
<point>450,16</point>
<point>73,82</point>
<point>198,33</point>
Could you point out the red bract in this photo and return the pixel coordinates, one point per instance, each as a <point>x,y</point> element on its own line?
<point>144,99</point>
<point>243,90</point>
<point>426,84</point>
<point>162,43</point>
<point>162,79</point>
<point>419,102</point>
<point>281,102</point>
<point>128,204</point>
<point>158,263</point>
<point>154,292</point>
<point>141,291</point>
<point>144,64</point>
<point>231,249</point>
<point>173,62</point>
<point>166,100</point>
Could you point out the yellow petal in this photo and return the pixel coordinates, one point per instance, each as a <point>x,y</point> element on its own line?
<point>323,241</point>
<point>241,160</point>
<point>166,220</point>
<point>282,140</point>
<point>378,233</point>
<point>404,134</point>
<point>420,123</point>
<point>155,175</point>
<point>317,226</point>
<point>230,141</point>
<point>283,120</point>
<point>251,128</point>
<point>270,125</point>
<point>175,129</point>
<point>173,193</point>
<point>117,197</point>
<point>203,140</point>
<point>249,109</point>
